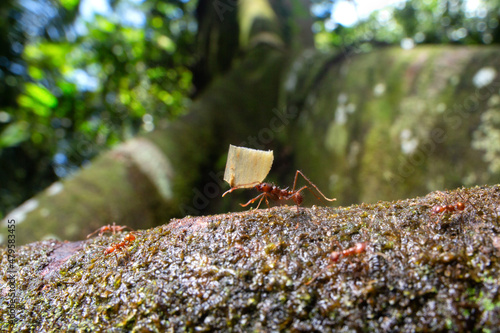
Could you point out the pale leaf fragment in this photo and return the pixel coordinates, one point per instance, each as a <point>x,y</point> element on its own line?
<point>247,167</point>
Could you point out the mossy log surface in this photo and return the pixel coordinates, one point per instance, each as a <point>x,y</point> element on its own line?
<point>269,270</point>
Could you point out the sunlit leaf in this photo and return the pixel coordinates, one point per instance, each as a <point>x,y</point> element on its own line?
<point>55,53</point>
<point>104,24</point>
<point>85,127</point>
<point>33,105</point>
<point>69,4</point>
<point>166,43</point>
<point>66,87</point>
<point>32,52</point>
<point>14,134</point>
<point>157,22</point>
<point>40,94</point>
<point>133,35</point>
<point>35,73</point>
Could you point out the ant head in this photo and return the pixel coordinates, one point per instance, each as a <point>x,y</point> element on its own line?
<point>360,247</point>
<point>264,187</point>
<point>109,250</point>
<point>130,237</point>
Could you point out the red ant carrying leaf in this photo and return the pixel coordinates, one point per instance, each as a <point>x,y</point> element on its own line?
<point>246,168</point>
<point>273,192</point>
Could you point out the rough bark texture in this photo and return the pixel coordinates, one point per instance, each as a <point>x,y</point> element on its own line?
<point>383,125</point>
<point>269,270</point>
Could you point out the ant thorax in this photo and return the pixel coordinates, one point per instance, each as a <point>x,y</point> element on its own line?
<point>264,187</point>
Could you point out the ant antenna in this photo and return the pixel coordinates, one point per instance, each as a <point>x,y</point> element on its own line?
<point>312,184</point>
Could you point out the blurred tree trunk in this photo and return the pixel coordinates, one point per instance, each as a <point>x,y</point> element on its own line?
<point>150,179</point>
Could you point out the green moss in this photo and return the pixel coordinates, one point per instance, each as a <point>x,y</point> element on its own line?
<point>267,270</point>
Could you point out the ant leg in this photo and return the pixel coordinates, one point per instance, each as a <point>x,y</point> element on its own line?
<point>267,202</point>
<point>123,227</point>
<point>312,184</point>
<point>101,230</point>
<point>253,200</point>
<point>92,234</point>
<point>464,199</point>
<point>319,274</point>
<point>307,187</point>
<point>230,190</point>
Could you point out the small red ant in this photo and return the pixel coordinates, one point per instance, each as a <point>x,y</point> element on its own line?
<point>275,193</point>
<point>109,228</point>
<point>335,256</point>
<point>459,206</point>
<point>121,245</point>
<point>356,249</point>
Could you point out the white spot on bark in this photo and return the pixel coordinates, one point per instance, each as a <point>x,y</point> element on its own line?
<point>379,89</point>
<point>408,143</point>
<point>19,214</point>
<point>352,156</point>
<point>407,43</point>
<point>484,76</point>
<point>340,115</point>
<point>441,107</point>
<point>55,188</point>
<point>50,237</point>
<point>350,108</point>
<point>291,80</point>
<point>342,109</point>
<point>342,98</point>
<point>44,212</point>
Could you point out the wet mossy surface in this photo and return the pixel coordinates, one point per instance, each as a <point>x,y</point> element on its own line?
<point>252,271</point>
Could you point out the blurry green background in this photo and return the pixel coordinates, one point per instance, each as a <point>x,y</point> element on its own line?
<point>79,77</point>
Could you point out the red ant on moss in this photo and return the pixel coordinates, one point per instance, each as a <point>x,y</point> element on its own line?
<point>109,228</point>
<point>356,249</point>
<point>127,240</point>
<point>458,207</point>
<point>335,256</point>
<point>273,192</point>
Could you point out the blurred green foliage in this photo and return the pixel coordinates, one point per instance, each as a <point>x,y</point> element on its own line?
<point>75,82</point>
<point>410,23</point>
